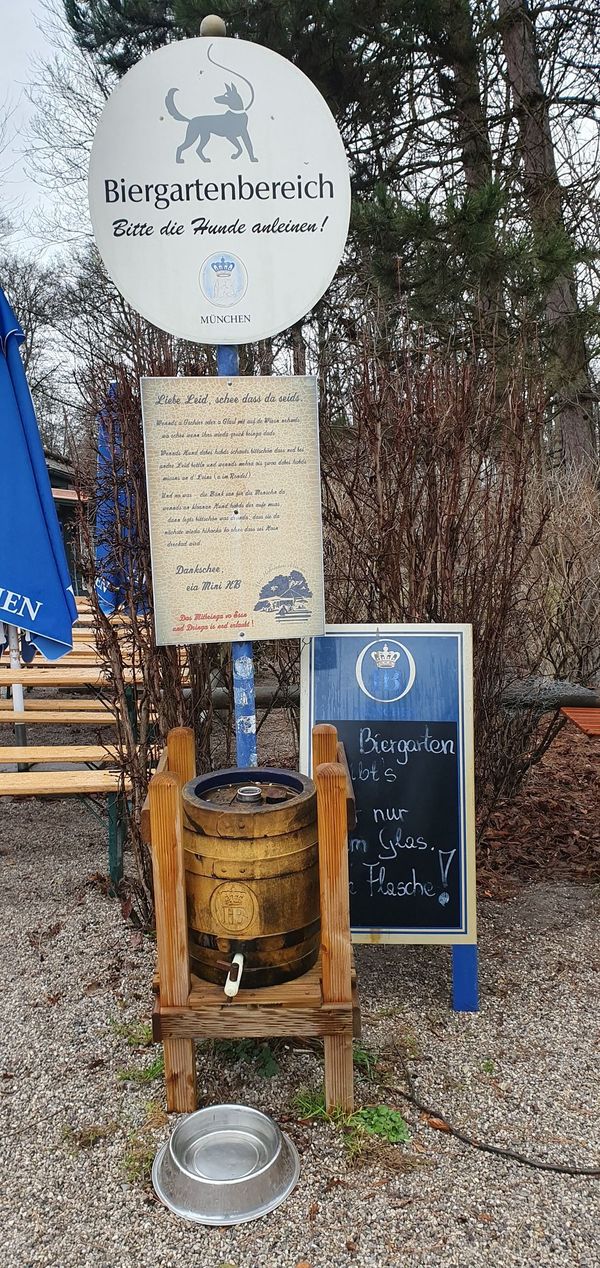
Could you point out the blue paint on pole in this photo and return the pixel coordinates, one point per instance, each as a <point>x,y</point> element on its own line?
<point>245,708</point>
<point>243,664</point>
<point>228,361</point>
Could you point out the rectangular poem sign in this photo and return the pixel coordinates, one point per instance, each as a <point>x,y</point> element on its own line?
<point>232,468</point>
<point>401,698</point>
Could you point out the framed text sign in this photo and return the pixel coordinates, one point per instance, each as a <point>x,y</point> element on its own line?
<point>232,468</point>
<point>401,700</point>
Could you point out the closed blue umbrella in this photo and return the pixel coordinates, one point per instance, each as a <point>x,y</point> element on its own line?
<point>117,574</point>
<point>36,594</point>
<point>110,582</point>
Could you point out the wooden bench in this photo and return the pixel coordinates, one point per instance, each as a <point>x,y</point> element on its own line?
<point>85,711</point>
<point>91,782</point>
<point>80,671</point>
<point>588,720</point>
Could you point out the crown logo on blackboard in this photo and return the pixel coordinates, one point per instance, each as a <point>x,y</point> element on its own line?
<point>223,265</point>
<point>385,658</point>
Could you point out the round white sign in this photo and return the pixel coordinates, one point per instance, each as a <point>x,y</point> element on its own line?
<point>219,191</point>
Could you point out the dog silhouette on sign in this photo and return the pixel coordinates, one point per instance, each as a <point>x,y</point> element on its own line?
<point>231,124</point>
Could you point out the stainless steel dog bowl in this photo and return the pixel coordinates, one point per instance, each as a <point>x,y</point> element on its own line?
<point>225,1164</point>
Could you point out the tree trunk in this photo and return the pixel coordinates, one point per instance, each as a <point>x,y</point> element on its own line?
<point>453,44</point>
<point>569,367</point>
<point>457,50</point>
<point>298,349</point>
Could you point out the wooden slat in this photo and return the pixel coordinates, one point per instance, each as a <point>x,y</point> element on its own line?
<point>58,783</point>
<point>65,703</point>
<point>324,744</point>
<point>57,753</point>
<point>163,761</point>
<point>350,798</point>
<point>588,720</point>
<point>171,932</point>
<point>87,617</point>
<point>300,989</point>
<point>82,652</point>
<point>336,946</point>
<point>45,676</point>
<point>238,1021</point>
<point>292,1008</point>
<point>33,717</point>
<point>305,990</point>
<point>86,663</point>
<point>83,639</point>
<point>85,718</point>
<point>181,753</point>
<point>161,765</point>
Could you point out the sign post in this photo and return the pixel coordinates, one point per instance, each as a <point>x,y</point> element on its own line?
<point>217,217</point>
<point>242,658</point>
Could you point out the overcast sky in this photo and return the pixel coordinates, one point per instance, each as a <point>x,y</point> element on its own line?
<point>21,43</point>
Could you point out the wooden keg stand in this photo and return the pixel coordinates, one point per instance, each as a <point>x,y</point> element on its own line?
<point>323,1002</point>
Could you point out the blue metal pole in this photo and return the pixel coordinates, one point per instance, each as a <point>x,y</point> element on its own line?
<point>228,365</point>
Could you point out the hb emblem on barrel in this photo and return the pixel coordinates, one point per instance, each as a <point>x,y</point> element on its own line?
<point>233,906</point>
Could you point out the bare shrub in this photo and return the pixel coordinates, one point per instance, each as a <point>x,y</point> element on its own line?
<point>151,688</point>
<point>566,639</point>
<point>438,508</point>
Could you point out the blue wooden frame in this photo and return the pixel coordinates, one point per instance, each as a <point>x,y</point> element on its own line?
<point>449,697</point>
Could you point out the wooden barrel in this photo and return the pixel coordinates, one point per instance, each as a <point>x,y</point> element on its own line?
<point>252,878</point>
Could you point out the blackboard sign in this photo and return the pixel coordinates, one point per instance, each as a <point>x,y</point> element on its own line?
<point>400,698</point>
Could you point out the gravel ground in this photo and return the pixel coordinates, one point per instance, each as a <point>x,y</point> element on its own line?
<point>77,1136</point>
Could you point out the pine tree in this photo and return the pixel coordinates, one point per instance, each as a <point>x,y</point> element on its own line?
<point>458,212</point>
<point>568,366</point>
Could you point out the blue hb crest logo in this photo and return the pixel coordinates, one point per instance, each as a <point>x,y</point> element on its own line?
<point>223,279</point>
<point>385,670</point>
